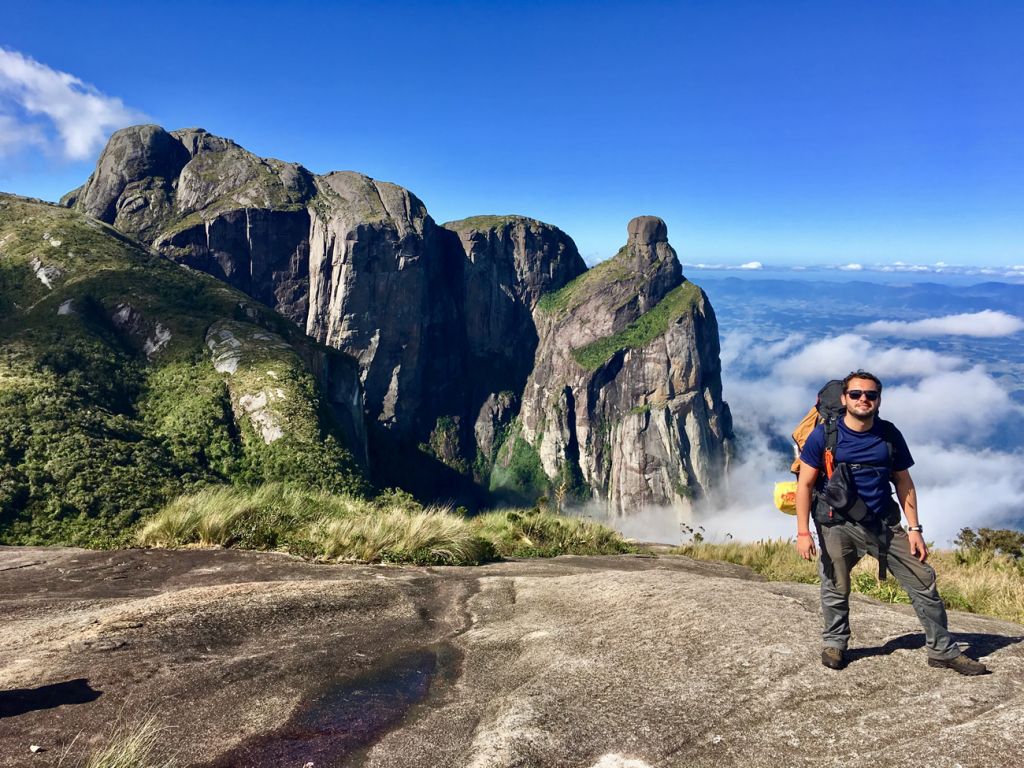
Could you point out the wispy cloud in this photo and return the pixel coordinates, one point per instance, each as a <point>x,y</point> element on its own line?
<point>41,107</point>
<point>986,324</point>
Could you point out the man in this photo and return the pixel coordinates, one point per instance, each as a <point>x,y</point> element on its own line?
<point>876,454</point>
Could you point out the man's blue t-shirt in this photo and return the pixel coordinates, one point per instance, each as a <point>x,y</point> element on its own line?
<point>871,482</point>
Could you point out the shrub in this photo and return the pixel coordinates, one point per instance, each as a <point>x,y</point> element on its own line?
<point>532,533</point>
<point>991,541</point>
<point>433,536</point>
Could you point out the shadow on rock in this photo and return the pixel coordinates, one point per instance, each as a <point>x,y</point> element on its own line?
<point>346,717</point>
<point>21,700</point>
<point>979,644</point>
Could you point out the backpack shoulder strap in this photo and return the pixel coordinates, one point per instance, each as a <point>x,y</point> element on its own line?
<point>831,440</point>
<point>889,435</point>
<point>830,410</point>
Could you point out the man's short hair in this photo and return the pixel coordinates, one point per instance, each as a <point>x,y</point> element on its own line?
<point>861,375</point>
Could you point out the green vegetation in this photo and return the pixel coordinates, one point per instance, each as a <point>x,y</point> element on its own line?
<point>446,445</point>
<point>643,330</point>
<point>971,578</point>
<point>578,290</point>
<point>518,473</point>
<point>433,536</point>
<point>532,533</point>
<point>391,528</point>
<point>481,223</point>
<point>100,424</point>
<point>989,541</point>
<point>187,407</point>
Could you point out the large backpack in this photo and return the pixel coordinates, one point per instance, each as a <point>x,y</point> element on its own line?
<point>826,410</point>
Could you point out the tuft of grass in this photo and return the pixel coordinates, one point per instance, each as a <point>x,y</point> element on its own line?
<point>532,533</point>
<point>433,536</point>
<point>987,583</point>
<point>129,746</point>
<point>642,331</point>
<point>264,517</point>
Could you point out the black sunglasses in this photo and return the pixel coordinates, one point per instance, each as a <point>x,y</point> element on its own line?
<point>870,394</point>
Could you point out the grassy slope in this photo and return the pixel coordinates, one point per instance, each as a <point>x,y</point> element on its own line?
<point>582,288</point>
<point>95,433</point>
<point>391,528</point>
<point>969,580</point>
<point>642,331</point>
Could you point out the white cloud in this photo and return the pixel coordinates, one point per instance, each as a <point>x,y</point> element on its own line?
<point>985,324</point>
<point>852,267</point>
<point>836,356</point>
<point>956,406</point>
<point>743,350</point>
<point>959,487</point>
<point>746,266</point>
<point>15,136</point>
<point>35,98</point>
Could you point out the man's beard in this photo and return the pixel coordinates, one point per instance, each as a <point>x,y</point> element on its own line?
<point>862,416</point>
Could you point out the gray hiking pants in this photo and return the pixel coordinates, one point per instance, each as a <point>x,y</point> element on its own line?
<point>842,546</point>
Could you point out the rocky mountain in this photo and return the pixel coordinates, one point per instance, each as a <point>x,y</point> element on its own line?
<point>494,365</point>
<point>625,394</point>
<point>126,379</point>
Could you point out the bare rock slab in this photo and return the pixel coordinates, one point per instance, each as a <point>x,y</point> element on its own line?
<point>600,662</point>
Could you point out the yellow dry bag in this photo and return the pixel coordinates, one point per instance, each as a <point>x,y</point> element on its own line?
<point>785,497</point>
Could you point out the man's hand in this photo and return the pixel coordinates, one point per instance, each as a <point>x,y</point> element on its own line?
<point>805,546</point>
<point>917,546</point>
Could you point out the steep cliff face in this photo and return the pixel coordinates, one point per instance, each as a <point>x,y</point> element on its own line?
<point>379,288</point>
<point>489,354</point>
<point>625,398</point>
<point>508,263</point>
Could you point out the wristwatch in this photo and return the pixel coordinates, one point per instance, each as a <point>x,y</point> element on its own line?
<point>916,528</point>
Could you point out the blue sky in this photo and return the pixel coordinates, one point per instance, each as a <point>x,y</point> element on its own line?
<point>782,132</point>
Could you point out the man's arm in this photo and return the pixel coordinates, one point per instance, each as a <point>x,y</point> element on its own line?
<point>804,484</point>
<point>907,495</point>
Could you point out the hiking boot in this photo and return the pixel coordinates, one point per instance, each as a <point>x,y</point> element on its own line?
<point>832,657</point>
<point>965,665</point>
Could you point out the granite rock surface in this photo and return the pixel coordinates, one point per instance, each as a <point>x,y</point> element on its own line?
<point>249,659</point>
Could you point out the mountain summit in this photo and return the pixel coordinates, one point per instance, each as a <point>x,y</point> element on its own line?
<point>495,365</point>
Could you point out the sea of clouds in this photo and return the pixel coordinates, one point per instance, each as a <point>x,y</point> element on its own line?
<point>953,413</point>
